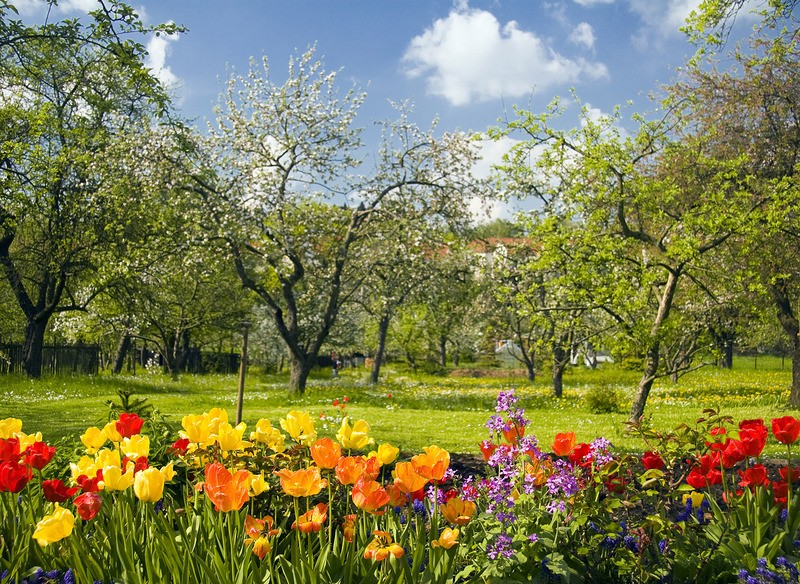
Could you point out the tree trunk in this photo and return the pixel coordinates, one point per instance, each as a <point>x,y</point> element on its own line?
<point>791,326</point>
<point>529,365</point>
<point>300,368</point>
<point>560,360</point>
<point>123,347</point>
<point>383,331</point>
<point>443,351</point>
<point>32,347</point>
<point>653,352</point>
<point>646,383</point>
<point>727,355</point>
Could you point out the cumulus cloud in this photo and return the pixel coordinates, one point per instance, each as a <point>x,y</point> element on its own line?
<point>470,56</point>
<point>38,7</point>
<point>583,34</point>
<point>593,2</point>
<point>158,49</point>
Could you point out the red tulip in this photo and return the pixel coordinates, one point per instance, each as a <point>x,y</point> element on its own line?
<point>129,424</point>
<point>753,435</point>
<point>38,455</point>
<point>580,453</point>
<point>180,447</point>
<point>87,505</point>
<point>9,449</point>
<point>786,429</point>
<point>88,485</point>
<point>733,453</point>
<point>785,471</point>
<point>56,491</point>
<point>652,460</point>
<point>13,476</point>
<point>754,476</point>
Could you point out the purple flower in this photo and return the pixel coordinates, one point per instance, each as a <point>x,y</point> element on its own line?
<point>599,451</point>
<point>506,400</point>
<point>500,548</point>
<point>533,538</point>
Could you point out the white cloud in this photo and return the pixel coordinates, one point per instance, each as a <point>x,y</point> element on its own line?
<point>470,56</point>
<point>158,49</point>
<point>593,2</point>
<point>39,8</point>
<point>583,34</point>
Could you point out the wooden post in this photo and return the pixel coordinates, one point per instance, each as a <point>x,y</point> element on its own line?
<point>242,369</point>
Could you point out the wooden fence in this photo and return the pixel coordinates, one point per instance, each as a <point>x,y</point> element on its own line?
<point>55,359</point>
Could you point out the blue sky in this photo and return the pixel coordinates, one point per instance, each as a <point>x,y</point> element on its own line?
<point>465,62</point>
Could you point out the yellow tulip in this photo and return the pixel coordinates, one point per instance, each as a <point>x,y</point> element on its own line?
<point>386,453</point>
<point>697,499</point>
<point>136,446</point>
<point>216,417</point>
<point>196,428</point>
<point>9,427</point>
<point>110,430</point>
<point>229,437</point>
<point>106,458</point>
<point>85,466</point>
<point>26,440</point>
<point>271,437</point>
<point>115,480</point>
<point>300,427</point>
<point>54,527</point>
<point>356,437</point>
<point>93,439</point>
<point>258,485</point>
<point>447,539</point>
<point>168,471</point>
<point>149,485</point>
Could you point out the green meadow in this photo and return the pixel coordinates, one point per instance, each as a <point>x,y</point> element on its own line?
<point>412,411</point>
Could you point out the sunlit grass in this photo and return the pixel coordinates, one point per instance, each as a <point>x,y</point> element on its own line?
<point>406,410</point>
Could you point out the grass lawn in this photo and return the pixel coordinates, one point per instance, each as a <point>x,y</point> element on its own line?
<point>411,411</point>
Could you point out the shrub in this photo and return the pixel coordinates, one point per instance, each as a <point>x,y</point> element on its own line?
<point>604,400</point>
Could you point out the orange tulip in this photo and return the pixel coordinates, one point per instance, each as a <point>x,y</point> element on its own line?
<point>397,498</point>
<point>514,433</point>
<point>564,443</point>
<point>369,496</point>
<point>407,478</point>
<point>433,464</point>
<point>349,527</point>
<point>381,546</point>
<point>372,468</point>
<point>228,491</point>
<point>350,468</point>
<point>457,511</point>
<point>312,519</point>
<point>305,482</point>
<point>258,532</point>
<point>539,470</point>
<point>326,453</point>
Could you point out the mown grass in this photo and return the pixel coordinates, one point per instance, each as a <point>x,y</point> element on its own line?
<point>407,410</point>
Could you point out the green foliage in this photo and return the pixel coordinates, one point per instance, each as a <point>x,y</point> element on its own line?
<point>604,400</point>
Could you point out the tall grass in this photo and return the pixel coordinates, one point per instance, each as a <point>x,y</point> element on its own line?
<point>408,410</point>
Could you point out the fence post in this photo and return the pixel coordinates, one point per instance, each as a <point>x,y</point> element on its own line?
<point>242,369</point>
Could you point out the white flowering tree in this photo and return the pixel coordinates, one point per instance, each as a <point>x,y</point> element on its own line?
<point>285,191</point>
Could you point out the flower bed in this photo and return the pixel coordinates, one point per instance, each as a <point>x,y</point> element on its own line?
<point>220,504</point>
